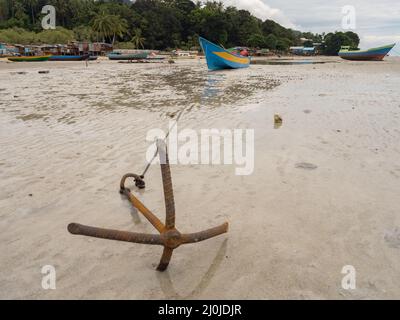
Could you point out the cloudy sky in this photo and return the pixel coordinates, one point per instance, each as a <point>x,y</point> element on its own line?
<point>377,21</point>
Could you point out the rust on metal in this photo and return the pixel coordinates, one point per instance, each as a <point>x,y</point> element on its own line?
<point>169,237</point>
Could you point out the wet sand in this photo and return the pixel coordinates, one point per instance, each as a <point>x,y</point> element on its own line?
<point>324,193</point>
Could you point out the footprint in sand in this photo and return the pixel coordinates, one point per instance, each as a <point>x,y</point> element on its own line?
<point>306,166</point>
<point>392,238</point>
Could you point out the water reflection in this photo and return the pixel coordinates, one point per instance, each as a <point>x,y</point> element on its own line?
<point>212,87</point>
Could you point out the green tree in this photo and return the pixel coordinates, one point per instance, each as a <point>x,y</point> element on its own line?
<point>271,41</point>
<point>354,38</point>
<point>103,25</point>
<point>18,35</point>
<point>32,4</point>
<point>257,41</point>
<point>84,33</point>
<point>59,35</point>
<point>137,39</point>
<point>163,23</point>
<point>211,23</point>
<point>109,26</point>
<point>334,41</point>
<point>283,44</point>
<point>120,27</point>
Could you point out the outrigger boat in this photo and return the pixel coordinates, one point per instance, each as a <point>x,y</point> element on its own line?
<point>29,58</point>
<point>374,54</point>
<point>219,58</point>
<point>69,58</point>
<point>128,56</point>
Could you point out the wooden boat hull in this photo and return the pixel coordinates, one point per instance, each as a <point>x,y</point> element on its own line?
<point>69,58</point>
<point>133,56</point>
<point>218,58</point>
<point>29,58</point>
<point>375,54</point>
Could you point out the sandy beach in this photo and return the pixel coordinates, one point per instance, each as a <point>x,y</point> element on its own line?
<point>324,193</point>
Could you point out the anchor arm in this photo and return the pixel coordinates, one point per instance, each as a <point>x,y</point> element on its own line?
<point>139,205</point>
<point>78,229</point>
<point>205,235</point>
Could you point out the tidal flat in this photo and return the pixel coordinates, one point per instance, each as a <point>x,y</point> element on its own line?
<point>323,195</point>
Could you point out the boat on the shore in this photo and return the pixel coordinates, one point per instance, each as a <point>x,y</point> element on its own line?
<point>374,54</point>
<point>128,56</point>
<point>69,58</point>
<point>29,58</point>
<point>219,58</point>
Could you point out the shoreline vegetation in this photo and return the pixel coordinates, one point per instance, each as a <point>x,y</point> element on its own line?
<point>156,25</point>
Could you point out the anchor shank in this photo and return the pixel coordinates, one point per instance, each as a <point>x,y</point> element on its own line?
<point>167,185</point>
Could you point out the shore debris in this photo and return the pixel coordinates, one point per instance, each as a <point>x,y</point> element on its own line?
<point>18,72</point>
<point>44,71</point>
<point>278,121</point>
<point>142,61</point>
<point>169,236</point>
<point>306,166</point>
<point>392,238</point>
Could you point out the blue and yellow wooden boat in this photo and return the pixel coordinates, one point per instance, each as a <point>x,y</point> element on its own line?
<point>374,54</point>
<point>219,58</point>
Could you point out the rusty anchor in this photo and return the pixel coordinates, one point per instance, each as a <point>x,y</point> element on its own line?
<point>169,236</point>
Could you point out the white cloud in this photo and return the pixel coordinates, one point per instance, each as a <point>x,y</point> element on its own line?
<point>261,10</point>
<point>370,41</point>
<point>385,39</point>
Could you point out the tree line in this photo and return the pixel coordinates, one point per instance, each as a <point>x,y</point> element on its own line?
<point>154,24</point>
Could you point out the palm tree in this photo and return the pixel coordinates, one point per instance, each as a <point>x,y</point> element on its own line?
<point>137,39</point>
<point>32,4</point>
<point>120,27</point>
<point>62,10</point>
<point>109,25</point>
